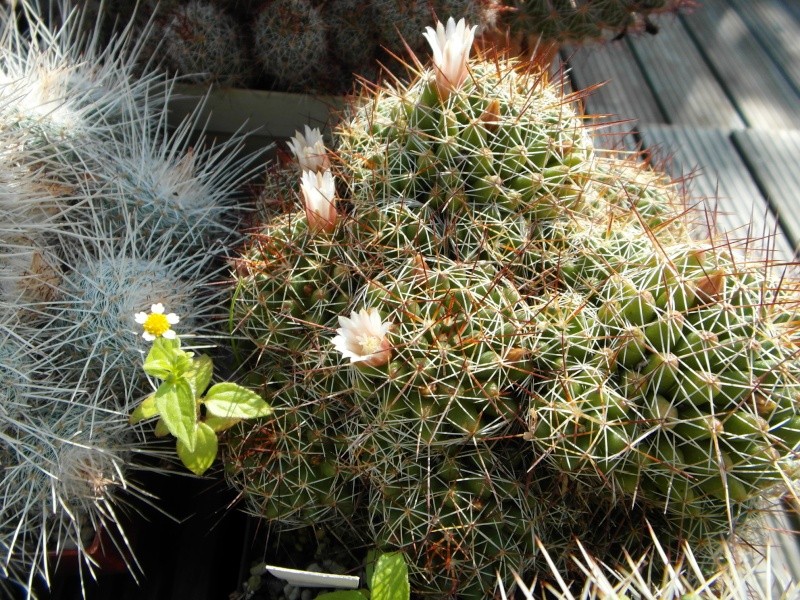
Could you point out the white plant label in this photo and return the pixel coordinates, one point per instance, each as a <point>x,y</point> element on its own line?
<point>309,579</point>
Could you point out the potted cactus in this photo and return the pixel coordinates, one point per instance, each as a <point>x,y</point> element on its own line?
<point>490,347</point>
<point>280,64</point>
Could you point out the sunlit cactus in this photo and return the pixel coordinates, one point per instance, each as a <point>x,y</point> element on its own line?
<point>60,104</point>
<point>65,458</point>
<point>506,336</point>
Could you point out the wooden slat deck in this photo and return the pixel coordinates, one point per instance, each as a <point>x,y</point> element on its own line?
<point>717,90</point>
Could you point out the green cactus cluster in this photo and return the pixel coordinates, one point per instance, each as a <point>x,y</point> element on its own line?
<point>564,356</point>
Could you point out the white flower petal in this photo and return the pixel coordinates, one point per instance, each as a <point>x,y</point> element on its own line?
<point>157,308</point>
<point>309,150</point>
<point>173,319</point>
<point>148,336</point>
<point>362,337</point>
<point>451,46</point>
<point>140,317</point>
<point>319,199</point>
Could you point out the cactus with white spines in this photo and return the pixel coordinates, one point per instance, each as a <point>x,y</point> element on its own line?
<point>64,459</point>
<point>170,186</point>
<point>59,102</point>
<point>524,327</point>
<point>104,213</point>
<point>104,284</point>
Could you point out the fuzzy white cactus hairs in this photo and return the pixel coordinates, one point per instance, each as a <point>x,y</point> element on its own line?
<point>104,212</point>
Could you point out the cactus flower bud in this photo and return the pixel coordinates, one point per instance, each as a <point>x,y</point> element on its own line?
<point>309,150</point>
<point>451,46</point>
<point>319,195</point>
<point>362,338</point>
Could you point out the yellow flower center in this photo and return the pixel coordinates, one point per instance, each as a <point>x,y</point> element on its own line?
<point>369,344</point>
<point>156,324</point>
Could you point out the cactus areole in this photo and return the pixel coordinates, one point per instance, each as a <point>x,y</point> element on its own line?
<point>505,337</point>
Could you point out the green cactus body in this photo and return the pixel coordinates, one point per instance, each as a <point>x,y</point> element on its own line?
<point>290,463</point>
<point>538,347</point>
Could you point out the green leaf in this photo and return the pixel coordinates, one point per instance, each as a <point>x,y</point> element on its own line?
<point>199,374</point>
<point>220,423</point>
<point>161,429</point>
<point>166,358</point>
<point>344,595</point>
<point>232,401</point>
<point>178,408</point>
<point>390,579</point>
<point>372,558</point>
<point>146,410</point>
<point>199,459</point>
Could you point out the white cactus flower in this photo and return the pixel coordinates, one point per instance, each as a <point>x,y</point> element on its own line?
<point>309,150</point>
<point>451,46</point>
<point>362,338</point>
<point>319,200</point>
<point>157,324</point>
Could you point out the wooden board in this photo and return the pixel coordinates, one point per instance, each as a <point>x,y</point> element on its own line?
<point>721,176</point>
<point>772,158</point>
<point>618,90</point>
<point>754,82</point>
<point>683,84</point>
<point>625,93</point>
<point>776,25</point>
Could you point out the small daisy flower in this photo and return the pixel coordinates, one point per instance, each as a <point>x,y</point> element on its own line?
<point>319,196</point>
<point>157,324</point>
<point>451,46</point>
<point>309,150</point>
<point>362,338</point>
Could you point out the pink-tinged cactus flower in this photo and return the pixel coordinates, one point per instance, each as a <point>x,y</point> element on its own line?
<point>309,150</point>
<point>319,200</point>
<point>157,324</point>
<point>451,46</point>
<point>362,338</point>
